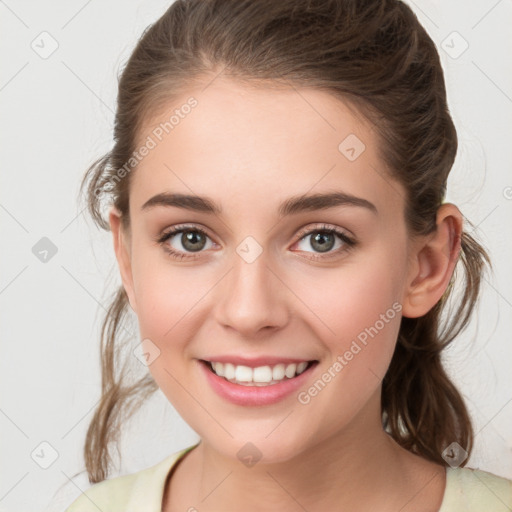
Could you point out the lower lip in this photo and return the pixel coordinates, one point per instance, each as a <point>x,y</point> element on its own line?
<point>254,395</point>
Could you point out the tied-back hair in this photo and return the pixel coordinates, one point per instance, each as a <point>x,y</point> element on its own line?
<point>373,54</point>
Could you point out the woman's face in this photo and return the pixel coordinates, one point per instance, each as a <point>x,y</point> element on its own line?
<point>264,282</point>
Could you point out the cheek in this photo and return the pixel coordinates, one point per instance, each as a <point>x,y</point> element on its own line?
<point>172,308</point>
<point>170,312</point>
<point>350,299</point>
<point>362,306</point>
<point>358,314</point>
<point>164,291</point>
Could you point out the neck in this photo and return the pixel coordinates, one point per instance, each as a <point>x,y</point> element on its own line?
<point>360,467</point>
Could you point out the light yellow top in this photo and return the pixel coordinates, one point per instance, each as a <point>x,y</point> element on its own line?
<point>467,490</point>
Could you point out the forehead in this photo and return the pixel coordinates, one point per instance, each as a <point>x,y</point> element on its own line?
<point>264,143</point>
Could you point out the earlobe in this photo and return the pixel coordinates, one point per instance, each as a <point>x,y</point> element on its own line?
<point>433,262</point>
<point>122,252</point>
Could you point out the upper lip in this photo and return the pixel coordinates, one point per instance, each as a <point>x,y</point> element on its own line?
<point>254,362</point>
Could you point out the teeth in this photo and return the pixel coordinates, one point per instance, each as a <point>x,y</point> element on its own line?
<point>278,372</point>
<point>301,367</point>
<point>262,375</point>
<point>218,368</point>
<point>229,370</point>
<point>243,374</point>
<point>290,370</point>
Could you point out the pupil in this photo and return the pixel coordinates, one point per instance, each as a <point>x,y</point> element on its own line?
<point>319,242</point>
<point>191,239</point>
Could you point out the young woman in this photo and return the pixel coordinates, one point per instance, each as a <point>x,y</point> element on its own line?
<point>276,200</point>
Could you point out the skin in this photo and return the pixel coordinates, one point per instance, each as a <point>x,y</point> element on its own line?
<point>235,146</point>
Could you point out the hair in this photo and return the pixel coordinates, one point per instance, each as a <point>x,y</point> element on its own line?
<point>373,54</point>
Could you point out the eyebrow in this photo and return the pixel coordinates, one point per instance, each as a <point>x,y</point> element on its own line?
<point>291,206</point>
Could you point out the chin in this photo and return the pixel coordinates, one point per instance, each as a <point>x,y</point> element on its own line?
<point>253,449</point>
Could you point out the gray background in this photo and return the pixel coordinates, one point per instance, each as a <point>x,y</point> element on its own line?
<point>57,114</point>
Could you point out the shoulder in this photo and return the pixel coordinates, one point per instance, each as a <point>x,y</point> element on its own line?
<point>137,492</point>
<point>474,490</point>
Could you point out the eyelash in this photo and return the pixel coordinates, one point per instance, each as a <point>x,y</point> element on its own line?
<point>349,243</point>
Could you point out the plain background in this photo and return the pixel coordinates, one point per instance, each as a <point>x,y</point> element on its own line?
<point>57,116</point>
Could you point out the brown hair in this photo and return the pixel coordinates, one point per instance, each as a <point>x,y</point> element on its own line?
<point>373,53</point>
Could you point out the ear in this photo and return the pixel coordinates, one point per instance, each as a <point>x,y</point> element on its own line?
<point>432,263</point>
<point>121,239</point>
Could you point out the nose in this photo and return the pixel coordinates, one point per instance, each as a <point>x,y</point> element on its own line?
<point>252,298</point>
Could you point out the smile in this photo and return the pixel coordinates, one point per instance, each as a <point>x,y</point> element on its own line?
<point>256,381</point>
<point>261,375</point>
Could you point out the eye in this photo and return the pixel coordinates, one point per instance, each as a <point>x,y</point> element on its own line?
<point>182,241</point>
<point>187,242</point>
<point>324,239</point>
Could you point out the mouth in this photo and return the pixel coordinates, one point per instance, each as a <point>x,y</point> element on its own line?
<point>260,376</point>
